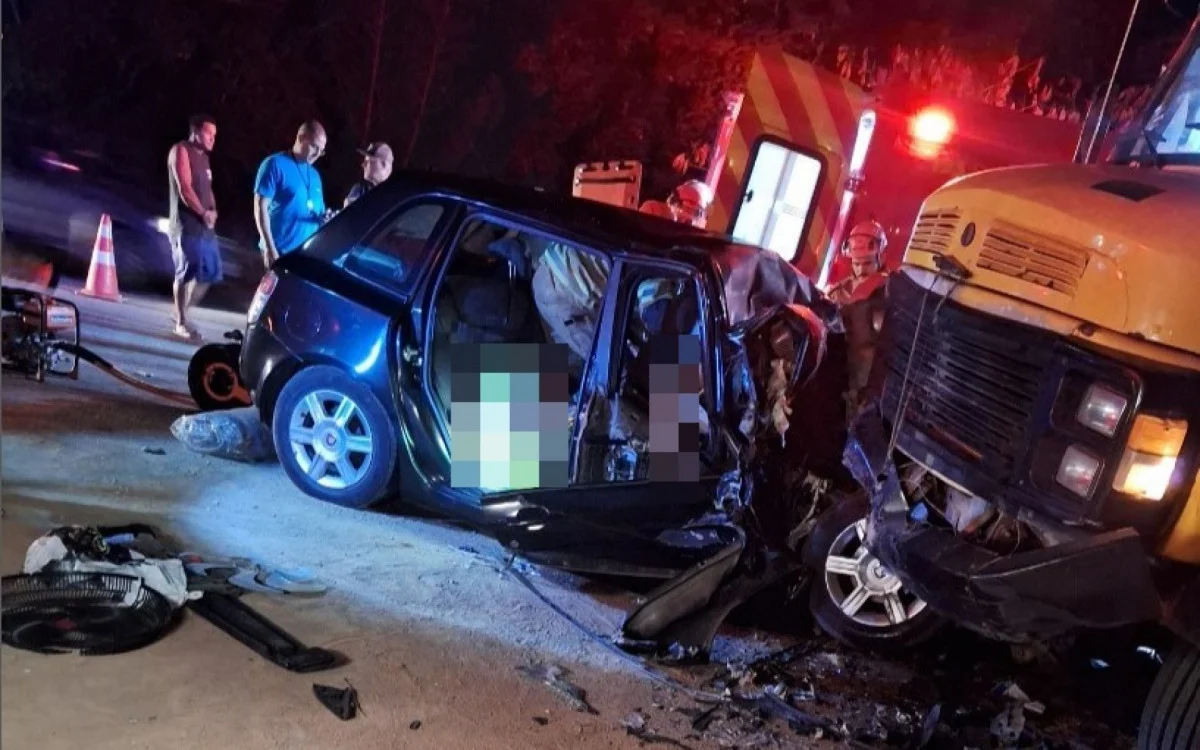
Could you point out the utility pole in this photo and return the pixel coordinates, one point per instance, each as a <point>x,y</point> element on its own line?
<point>379,23</point>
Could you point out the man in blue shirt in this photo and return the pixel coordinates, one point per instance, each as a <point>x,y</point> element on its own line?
<point>289,203</point>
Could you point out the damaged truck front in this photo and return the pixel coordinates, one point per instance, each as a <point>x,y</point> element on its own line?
<point>1032,451</point>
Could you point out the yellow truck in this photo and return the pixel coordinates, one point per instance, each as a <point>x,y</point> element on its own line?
<point>1032,456</point>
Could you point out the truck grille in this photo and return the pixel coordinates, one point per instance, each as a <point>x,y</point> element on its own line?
<point>972,384</point>
<point>1023,255</point>
<point>934,231</point>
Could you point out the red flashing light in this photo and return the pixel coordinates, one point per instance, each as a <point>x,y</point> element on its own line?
<point>932,126</point>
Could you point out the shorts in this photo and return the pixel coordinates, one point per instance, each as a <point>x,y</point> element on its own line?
<point>197,258</point>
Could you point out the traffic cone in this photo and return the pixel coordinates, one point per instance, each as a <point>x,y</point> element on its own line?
<point>102,274</point>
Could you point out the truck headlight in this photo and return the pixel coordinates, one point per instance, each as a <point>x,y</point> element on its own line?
<point>1078,471</point>
<point>1150,455</point>
<point>1102,409</point>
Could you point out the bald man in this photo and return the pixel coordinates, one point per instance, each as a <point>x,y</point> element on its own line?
<point>289,203</point>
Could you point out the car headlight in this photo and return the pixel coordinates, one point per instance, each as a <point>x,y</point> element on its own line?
<point>1150,455</point>
<point>1078,471</point>
<point>1102,409</point>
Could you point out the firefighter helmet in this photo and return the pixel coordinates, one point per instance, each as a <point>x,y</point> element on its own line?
<point>872,230</point>
<point>690,201</point>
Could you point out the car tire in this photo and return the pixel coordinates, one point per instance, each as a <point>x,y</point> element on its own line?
<point>214,379</point>
<point>896,620</point>
<point>1171,715</point>
<point>354,434</point>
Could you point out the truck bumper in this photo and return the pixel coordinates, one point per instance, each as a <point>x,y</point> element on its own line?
<point>1100,581</point>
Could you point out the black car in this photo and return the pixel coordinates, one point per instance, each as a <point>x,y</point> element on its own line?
<point>353,342</point>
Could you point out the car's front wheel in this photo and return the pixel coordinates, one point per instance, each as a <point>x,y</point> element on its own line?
<point>854,597</point>
<point>334,439</point>
<point>1171,716</point>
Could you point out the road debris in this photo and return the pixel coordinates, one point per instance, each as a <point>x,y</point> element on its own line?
<point>342,702</point>
<point>554,677</point>
<point>235,434</point>
<point>415,725</point>
<point>154,451</point>
<point>635,726</point>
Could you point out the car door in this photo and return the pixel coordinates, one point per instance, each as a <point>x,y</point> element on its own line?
<point>605,520</point>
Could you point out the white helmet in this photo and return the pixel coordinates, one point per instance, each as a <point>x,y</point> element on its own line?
<point>872,230</point>
<point>690,202</point>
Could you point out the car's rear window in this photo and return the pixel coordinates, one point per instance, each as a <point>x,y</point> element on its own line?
<point>391,254</point>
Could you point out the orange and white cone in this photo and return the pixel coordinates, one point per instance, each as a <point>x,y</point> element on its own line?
<point>102,274</point>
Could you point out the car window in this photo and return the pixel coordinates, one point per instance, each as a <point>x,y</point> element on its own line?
<point>391,255</point>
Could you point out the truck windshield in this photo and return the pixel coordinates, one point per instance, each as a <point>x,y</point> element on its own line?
<point>1174,126</point>
<point>1169,131</point>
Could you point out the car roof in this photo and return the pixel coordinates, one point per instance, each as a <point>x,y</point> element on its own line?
<point>590,221</point>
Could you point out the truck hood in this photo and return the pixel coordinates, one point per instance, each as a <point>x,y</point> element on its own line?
<point>1114,246</point>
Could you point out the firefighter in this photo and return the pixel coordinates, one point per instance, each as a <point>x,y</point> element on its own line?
<point>864,247</point>
<point>861,300</point>
<point>689,203</point>
<point>657,208</point>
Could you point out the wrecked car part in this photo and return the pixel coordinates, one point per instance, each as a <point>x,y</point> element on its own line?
<point>107,549</point>
<point>689,610</point>
<point>554,677</point>
<point>263,636</point>
<point>236,434</point>
<point>88,613</point>
<point>341,702</point>
<point>610,646</point>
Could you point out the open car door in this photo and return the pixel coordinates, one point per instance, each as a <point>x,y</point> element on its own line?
<point>620,512</point>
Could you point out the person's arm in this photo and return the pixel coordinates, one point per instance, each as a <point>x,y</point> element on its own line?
<point>181,165</point>
<point>265,185</point>
<point>353,194</point>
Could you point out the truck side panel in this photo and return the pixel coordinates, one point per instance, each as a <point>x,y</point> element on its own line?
<point>793,100</point>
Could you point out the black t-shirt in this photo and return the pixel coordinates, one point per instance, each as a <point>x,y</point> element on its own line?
<point>360,188</point>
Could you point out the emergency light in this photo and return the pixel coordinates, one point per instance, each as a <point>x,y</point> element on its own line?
<point>930,129</point>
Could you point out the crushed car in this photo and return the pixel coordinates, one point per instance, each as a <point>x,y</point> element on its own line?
<point>695,386</point>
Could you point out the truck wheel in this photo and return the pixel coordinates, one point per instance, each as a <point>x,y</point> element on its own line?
<point>854,598</point>
<point>214,380</point>
<point>1171,716</point>
<point>336,442</point>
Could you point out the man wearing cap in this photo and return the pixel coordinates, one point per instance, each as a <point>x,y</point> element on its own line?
<point>377,167</point>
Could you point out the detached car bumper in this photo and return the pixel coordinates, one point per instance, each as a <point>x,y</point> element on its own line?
<point>1100,581</point>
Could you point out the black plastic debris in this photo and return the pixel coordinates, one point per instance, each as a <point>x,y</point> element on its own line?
<point>261,635</point>
<point>88,613</point>
<point>554,677</point>
<point>541,721</point>
<point>154,451</point>
<point>342,702</point>
<point>415,725</point>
